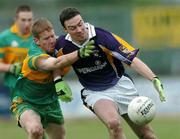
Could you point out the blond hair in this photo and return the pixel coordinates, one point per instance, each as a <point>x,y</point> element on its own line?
<point>40,25</point>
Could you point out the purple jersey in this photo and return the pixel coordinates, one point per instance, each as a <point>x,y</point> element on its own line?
<point>103,69</point>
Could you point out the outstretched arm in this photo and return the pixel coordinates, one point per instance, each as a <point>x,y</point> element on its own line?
<point>4,67</point>
<point>142,69</point>
<point>51,63</point>
<point>14,68</point>
<point>145,71</point>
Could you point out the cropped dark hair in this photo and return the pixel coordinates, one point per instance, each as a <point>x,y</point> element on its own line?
<point>68,13</point>
<point>23,8</point>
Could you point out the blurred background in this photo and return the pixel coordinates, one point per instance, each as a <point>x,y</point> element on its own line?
<point>151,25</point>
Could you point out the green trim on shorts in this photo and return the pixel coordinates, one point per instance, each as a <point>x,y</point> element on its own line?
<point>50,113</point>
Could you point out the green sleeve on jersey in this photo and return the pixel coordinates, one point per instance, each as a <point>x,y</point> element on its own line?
<point>1,55</point>
<point>31,63</point>
<point>3,43</point>
<point>3,38</point>
<point>34,53</point>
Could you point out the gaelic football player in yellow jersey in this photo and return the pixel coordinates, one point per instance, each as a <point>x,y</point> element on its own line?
<point>14,44</point>
<point>35,97</point>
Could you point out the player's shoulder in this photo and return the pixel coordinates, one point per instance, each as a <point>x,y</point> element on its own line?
<point>102,34</point>
<point>5,33</point>
<point>61,39</point>
<point>101,31</point>
<point>61,42</point>
<point>34,50</point>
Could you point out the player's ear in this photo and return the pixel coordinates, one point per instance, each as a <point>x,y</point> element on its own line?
<point>65,30</point>
<point>36,40</point>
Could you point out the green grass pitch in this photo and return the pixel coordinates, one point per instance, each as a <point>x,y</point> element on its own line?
<point>92,128</point>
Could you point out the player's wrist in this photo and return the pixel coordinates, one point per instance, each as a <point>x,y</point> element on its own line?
<point>15,68</point>
<point>12,68</point>
<point>58,79</point>
<point>155,78</point>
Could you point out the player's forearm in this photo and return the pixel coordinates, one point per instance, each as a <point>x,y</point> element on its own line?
<point>57,74</point>
<point>52,63</point>
<point>4,67</point>
<point>67,60</point>
<point>45,64</point>
<point>142,69</point>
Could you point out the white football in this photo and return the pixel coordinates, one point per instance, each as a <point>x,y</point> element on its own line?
<point>141,110</point>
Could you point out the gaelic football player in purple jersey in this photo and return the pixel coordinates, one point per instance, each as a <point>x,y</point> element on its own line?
<point>107,88</point>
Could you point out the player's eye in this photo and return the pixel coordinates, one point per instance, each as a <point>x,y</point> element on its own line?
<point>52,36</point>
<point>46,38</point>
<point>72,28</point>
<point>30,19</point>
<point>23,20</point>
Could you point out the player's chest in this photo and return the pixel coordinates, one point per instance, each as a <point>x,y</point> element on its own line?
<point>15,41</point>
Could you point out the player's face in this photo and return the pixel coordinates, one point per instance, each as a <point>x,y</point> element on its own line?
<point>47,41</point>
<point>24,21</point>
<point>76,28</point>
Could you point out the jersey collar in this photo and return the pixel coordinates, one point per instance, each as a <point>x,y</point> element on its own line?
<point>14,29</point>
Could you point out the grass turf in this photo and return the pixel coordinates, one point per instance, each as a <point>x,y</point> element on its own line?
<point>92,128</point>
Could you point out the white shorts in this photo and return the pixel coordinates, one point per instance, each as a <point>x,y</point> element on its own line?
<point>122,93</point>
